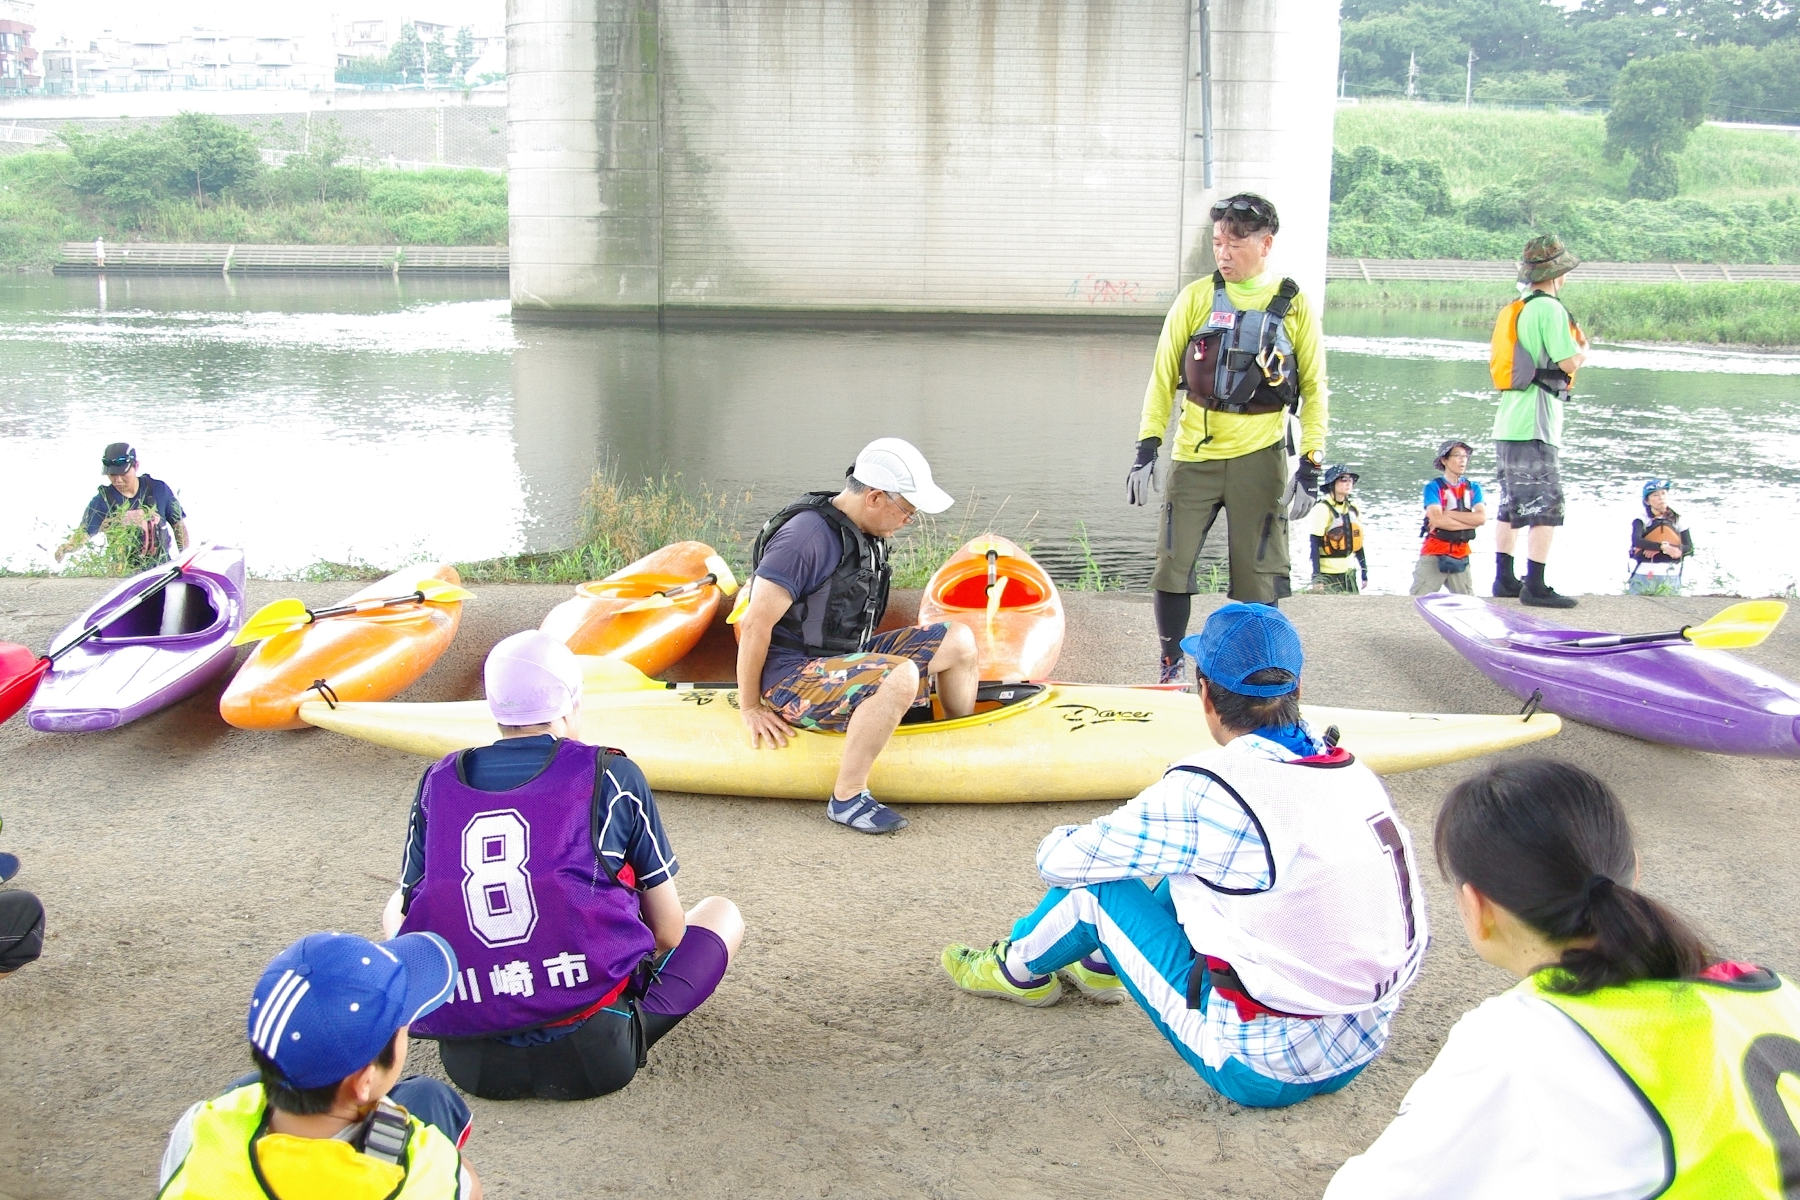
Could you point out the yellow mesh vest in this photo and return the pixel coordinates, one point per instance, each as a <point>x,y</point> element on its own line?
<point>219,1167</point>
<point>1718,1067</point>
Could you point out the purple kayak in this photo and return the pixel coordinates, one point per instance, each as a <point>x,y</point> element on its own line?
<point>165,650</point>
<point>1674,693</point>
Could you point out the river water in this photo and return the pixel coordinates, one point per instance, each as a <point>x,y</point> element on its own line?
<point>386,421</point>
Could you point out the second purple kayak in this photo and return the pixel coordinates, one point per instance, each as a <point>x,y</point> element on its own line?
<point>1674,693</point>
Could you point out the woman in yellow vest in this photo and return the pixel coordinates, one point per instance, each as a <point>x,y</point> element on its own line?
<point>1630,1062</point>
<point>1336,525</point>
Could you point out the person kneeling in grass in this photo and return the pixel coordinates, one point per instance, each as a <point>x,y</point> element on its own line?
<point>327,1113</point>
<point>1259,901</point>
<point>1628,1062</point>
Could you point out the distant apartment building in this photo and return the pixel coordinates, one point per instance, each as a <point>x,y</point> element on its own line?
<point>19,67</point>
<point>373,36</point>
<point>151,60</point>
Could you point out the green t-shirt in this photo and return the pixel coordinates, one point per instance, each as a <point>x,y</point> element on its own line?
<point>1534,414</point>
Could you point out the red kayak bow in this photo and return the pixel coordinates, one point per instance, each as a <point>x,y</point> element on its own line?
<point>20,669</point>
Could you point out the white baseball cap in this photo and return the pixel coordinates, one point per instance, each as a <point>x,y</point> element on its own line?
<point>894,465</point>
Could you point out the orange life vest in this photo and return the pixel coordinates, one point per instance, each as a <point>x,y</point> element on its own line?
<point>1511,368</point>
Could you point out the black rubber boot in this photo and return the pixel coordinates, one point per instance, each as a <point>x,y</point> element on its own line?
<point>1506,584</point>
<point>1535,593</point>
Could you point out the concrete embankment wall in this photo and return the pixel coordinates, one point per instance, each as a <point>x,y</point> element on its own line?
<point>910,156</point>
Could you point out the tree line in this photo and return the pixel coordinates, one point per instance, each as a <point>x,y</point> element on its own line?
<point>413,60</point>
<point>1539,52</point>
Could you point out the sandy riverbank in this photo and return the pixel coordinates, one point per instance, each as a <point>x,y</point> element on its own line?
<point>177,855</point>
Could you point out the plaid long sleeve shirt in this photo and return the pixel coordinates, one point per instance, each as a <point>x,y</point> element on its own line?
<point>1186,824</point>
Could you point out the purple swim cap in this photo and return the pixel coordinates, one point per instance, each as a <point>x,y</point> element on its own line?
<point>532,679</point>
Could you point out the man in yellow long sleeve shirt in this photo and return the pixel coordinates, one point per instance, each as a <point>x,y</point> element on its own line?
<point>1246,345</point>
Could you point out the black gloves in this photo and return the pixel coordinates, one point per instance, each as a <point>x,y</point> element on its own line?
<point>1143,472</point>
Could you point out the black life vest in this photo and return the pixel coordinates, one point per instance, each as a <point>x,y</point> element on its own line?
<point>1461,494</point>
<point>840,617</point>
<point>1242,361</point>
<point>1343,537</point>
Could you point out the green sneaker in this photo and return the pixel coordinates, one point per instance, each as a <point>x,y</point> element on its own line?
<point>983,973</point>
<point>1103,986</point>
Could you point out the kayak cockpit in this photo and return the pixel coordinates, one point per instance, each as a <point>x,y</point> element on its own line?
<point>182,609</point>
<point>970,592</point>
<point>989,698</point>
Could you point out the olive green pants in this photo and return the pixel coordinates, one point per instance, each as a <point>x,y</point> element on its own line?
<point>1248,489</point>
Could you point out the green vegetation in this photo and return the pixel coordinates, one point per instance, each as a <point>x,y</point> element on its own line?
<point>1530,52</point>
<point>412,60</point>
<point>1415,181</point>
<point>196,178</point>
<point>1750,314</point>
<point>1656,104</point>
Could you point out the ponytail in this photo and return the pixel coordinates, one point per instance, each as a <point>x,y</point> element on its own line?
<point>1550,843</point>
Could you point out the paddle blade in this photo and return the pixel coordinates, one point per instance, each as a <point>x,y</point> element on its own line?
<point>18,679</point>
<point>1739,626</point>
<point>613,675</point>
<point>276,617</point>
<point>647,603</point>
<point>439,592</point>
<point>721,573</point>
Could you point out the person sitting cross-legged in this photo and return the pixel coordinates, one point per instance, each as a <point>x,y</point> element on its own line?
<point>1259,901</point>
<point>543,861</point>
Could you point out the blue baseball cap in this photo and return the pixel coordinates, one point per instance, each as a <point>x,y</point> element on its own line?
<point>326,1006</point>
<point>1239,640</point>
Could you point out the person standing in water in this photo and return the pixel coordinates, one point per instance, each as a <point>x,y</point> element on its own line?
<point>1454,509</point>
<point>1245,345</point>
<point>1660,543</point>
<point>1629,1061</point>
<point>133,499</point>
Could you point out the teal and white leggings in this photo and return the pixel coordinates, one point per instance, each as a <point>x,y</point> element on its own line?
<point>1135,927</point>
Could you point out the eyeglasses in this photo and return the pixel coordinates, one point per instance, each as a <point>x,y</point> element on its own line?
<point>911,510</point>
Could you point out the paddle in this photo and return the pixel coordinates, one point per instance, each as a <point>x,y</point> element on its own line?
<point>284,616</point>
<point>718,571</point>
<point>996,586</point>
<point>19,681</point>
<point>1734,628</point>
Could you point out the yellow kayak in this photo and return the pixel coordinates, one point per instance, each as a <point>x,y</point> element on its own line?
<point>1033,741</point>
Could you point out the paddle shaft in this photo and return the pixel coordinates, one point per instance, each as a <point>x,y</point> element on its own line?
<point>1627,639</point>
<point>363,606</point>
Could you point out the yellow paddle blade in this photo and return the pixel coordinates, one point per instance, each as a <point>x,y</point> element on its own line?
<point>1739,626</point>
<point>600,674</point>
<point>995,591</point>
<point>647,603</point>
<point>740,608</point>
<point>721,572</point>
<point>439,592</point>
<point>271,619</point>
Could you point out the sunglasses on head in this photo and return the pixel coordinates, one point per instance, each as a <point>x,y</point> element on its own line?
<point>1262,210</point>
<point>116,464</point>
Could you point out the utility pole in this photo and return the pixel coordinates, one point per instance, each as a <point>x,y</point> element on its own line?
<point>1469,82</point>
<point>1343,84</point>
<point>1412,74</point>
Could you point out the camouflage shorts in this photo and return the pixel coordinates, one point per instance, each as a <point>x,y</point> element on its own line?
<point>821,693</point>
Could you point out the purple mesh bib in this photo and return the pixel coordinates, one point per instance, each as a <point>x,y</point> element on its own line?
<point>513,882</point>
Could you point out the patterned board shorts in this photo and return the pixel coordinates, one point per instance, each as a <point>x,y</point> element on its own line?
<point>1530,478</point>
<point>821,693</point>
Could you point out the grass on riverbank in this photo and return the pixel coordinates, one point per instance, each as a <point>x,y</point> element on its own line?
<point>40,207</point>
<point>1748,314</point>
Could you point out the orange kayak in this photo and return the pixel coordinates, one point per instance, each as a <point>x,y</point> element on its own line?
<point>1018,635</point>
<point>650,639</point>
<point>372,655</point>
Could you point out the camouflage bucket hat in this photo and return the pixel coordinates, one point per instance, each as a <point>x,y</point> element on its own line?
<point>1545,258</point>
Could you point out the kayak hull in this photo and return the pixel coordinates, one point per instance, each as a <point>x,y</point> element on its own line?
<point>1676,694</point>
<point>1024,636</point>
<point>370,656</point>
<point>1068,742</point>
<point>652,640</point>
<point>164,651</point>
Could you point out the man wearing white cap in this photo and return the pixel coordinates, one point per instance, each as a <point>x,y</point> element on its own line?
<point>809,656</point>
<point>543,863</point>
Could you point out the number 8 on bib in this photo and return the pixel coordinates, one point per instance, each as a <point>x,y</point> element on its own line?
<point>496,887</point>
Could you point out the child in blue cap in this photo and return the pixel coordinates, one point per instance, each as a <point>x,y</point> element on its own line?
<point>327,1113</point>
<point>1259,901</point>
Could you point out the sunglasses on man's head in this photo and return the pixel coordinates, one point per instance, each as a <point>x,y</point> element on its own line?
<point>115,465</point>
<point>1261,209</point>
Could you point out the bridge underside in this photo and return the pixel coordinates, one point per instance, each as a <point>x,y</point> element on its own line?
<point>904,157</point>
